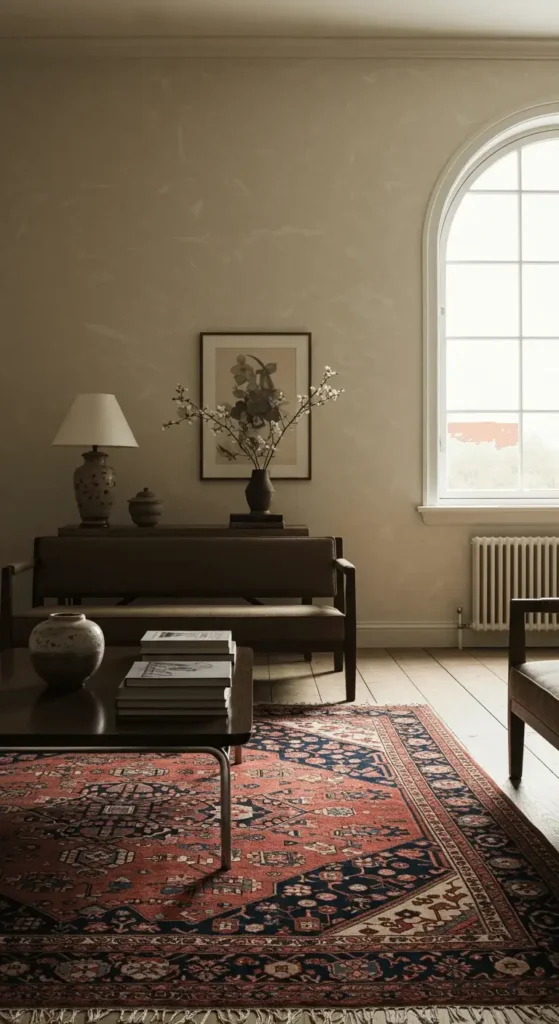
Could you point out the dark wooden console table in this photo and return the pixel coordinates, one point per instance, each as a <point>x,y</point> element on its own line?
<point>179,530</point>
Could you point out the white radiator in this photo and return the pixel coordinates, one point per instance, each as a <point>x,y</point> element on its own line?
<point>505,567</point>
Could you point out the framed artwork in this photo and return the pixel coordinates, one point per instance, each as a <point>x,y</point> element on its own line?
<point>236,365</point>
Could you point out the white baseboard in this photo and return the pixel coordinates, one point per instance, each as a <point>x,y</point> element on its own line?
<point>258,47</point>
<point>406,634</point>
<point>440,634</point>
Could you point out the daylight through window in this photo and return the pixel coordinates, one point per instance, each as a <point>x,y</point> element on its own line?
<point>499,354</point>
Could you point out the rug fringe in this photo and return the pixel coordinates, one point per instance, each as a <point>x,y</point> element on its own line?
<point>372,1015</point>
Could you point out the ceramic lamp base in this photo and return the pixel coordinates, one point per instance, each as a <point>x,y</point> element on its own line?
<point>94,485</point>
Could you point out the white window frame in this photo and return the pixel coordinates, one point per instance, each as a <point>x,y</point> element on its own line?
<point>455,181</point>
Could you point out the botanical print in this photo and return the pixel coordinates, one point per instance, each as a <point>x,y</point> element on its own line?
<point>258,390</point>
<point>255,406</point>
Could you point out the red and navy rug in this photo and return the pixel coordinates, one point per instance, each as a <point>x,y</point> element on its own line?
<point>374,865</point>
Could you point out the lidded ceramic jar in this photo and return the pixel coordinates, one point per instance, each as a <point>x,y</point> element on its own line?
<point>145,508</point>
<point>66,649</point>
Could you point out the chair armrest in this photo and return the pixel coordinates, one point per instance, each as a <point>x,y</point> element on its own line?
<point>6,601</point>
<point>345,598</point>
<point>520,607</point>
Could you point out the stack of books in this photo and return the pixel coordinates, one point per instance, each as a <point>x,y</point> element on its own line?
<point>170,689</point>
<point>256,520</point>
<point>188,645</point>
<point>184,673</point>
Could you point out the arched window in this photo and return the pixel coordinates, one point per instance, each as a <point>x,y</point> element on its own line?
<point>492,323</point>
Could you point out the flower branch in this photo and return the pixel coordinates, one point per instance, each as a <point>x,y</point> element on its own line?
<point>259,407</point>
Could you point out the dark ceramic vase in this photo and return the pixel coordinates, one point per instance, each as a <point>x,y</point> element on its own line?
<point>259,491</point>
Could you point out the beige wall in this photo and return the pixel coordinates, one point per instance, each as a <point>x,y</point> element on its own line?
<point>142,201</point>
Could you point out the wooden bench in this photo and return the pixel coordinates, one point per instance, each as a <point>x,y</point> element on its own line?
<point>229,583</point>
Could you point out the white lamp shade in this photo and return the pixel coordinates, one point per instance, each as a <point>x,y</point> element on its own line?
<point>96,420</point>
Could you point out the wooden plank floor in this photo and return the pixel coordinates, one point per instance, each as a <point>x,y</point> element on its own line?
<point>467,690</point>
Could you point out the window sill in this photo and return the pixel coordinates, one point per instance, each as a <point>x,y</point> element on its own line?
<point>489,515</point>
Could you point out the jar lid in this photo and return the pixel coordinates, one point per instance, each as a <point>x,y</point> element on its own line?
<point>144,495</point>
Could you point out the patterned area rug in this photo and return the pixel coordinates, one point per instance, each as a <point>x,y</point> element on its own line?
<point>375,865</point>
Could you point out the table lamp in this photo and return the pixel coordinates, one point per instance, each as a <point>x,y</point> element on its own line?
<point>95,420</point>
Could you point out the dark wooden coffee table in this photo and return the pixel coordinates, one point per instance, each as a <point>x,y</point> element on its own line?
<point>33,720</point>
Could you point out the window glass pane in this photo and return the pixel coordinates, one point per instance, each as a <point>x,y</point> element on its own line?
<point>540,165</point>
<point>540,373</point>
<point>540,226</point>
<point>501,174</point>
<point>485,227</point>
<point>482,374</point>
<point>482,452</point>
<point>501,285</point>
<point>482,300</point>
<point>540,451</point>
<point>540,300</point>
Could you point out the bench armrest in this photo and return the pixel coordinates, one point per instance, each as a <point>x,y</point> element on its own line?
<point>520,607</point>
<point>7,601</point>
<point>14,568</point>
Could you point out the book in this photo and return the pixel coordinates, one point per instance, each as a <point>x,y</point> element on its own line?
<point>246,518</point>
<point>178,685</point>
<point>176,705</point>
<point>164,715</point>
<point>204,640</point>
<point>209,694</point>
<point>152,700</point>
<point>185,672</point>
<point>258,525</point>
<point>190,655</point>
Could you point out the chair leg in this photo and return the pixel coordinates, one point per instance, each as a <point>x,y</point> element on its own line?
<point>308,655</point>
<point>516,745</point>
<point>338,661</point>
<point>350,659</point>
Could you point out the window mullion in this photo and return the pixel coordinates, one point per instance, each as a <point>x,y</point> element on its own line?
<point>441,384</point>
<point>520,330</point>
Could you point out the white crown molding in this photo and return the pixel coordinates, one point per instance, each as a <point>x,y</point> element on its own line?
<point>269,47</point>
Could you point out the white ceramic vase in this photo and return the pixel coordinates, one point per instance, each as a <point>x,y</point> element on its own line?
<point>66,649</point>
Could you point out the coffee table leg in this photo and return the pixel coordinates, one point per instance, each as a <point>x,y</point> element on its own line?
<point>225,778</point>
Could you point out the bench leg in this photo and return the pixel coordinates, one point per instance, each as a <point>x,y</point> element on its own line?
<point>350,659</point>
<point>516,745</point>
<point>307,654</point>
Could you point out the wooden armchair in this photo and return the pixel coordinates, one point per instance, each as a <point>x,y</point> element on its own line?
<point>533,685</point>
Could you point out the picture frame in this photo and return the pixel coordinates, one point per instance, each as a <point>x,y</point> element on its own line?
<point>290,353</point>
